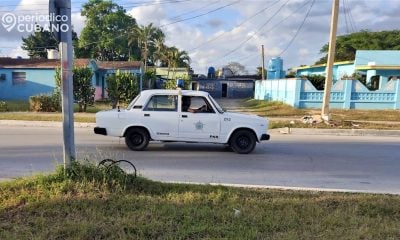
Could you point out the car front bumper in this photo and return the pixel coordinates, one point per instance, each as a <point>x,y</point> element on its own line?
<point>264,137</point>
<point>101,131</point>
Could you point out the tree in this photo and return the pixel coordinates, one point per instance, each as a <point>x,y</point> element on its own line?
<point>38,42</point>
<point>259,72</point>
<point>347,45</point>
<point>122,87</point>
<point>144,36</point>
<point>83,89</point>
<point>159,49</point>
<point>104,36</point>
<point>176,58</point>
<point>236,68</point>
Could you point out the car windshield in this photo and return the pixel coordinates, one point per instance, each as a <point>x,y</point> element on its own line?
<point>130,106</point>
<point>216,105</point>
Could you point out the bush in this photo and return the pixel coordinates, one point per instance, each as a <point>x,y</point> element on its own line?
<point>317,80</point>
<point>3,106</point>
<point>122,87</point>
<point>44,103</point>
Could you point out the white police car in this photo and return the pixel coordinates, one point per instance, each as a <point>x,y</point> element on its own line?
<point>181,116</point>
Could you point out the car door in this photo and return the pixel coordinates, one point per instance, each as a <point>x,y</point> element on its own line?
<point>160,116</point>
<point>198,121</point>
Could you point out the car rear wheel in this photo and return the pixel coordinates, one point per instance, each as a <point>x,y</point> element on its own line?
<point>243,141</point>
<point>137,139</point>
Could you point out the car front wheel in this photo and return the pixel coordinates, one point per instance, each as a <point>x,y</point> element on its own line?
<point>243,141</point>
<point>137,139</point>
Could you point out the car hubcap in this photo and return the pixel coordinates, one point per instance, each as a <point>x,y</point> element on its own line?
<point>136,139</point>
<point>243,142</point>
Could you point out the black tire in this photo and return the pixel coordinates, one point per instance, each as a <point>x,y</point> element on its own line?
<point>137,139</point>
<point>243,141</point>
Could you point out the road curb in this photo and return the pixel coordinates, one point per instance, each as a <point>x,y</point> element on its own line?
<point>19,123</point>
<point>337,132</point>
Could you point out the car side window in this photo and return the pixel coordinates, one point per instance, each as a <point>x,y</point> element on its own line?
<point>162,103</point>
<point>196,104</point>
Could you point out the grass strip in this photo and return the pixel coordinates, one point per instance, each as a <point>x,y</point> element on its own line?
<point>91,203</point>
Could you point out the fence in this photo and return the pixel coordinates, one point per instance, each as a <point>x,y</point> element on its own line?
<point>345,94</point>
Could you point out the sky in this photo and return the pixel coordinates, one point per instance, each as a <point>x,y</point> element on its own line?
<point>216,32</point>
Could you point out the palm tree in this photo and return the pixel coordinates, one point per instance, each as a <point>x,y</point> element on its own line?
<point>144,36</point>
<point>158,48</point>
<point>176,58</point>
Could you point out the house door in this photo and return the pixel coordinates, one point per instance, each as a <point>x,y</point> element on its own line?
<point>195,86</point>
<point>224,90</point>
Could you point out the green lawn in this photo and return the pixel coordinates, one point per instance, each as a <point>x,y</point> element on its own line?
<point>279,109</point>
<point>95,204</point>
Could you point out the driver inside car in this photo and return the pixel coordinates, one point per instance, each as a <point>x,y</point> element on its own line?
<point>187,107</point>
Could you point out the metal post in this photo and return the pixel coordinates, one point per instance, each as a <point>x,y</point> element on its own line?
<point>141,77</point>
<point>263,63</point>
<point>331,58</point>
<point>67,85</point>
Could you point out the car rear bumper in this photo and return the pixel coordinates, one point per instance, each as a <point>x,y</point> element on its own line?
<point>99,130</point>
<point>264,137</point>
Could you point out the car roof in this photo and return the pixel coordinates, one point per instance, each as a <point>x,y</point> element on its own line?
<point>173,91</point>
<point>145,94</point>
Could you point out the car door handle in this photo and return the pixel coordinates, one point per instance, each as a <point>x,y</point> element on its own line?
<point>184,116</point>
<point>147,115</point>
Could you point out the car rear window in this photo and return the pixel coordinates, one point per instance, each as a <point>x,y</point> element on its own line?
<point>162,103</point>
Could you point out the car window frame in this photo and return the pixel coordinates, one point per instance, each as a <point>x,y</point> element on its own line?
<point>209,105</point>
<point>146,108</point>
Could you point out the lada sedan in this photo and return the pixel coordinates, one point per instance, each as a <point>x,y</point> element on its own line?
<point>181,116</point>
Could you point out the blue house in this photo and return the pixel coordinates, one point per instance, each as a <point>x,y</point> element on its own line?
<point>381,89</point>
<point>22,78</point>
<point>376,66</point>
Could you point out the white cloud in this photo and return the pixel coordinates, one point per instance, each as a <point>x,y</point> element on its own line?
<point>148,14</point>
<point>78,22</point>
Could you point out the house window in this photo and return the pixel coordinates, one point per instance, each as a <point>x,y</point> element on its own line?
<point>3,77</point>
<point>18,78</point>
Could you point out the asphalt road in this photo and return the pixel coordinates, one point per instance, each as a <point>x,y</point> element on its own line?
<point>352,163</point>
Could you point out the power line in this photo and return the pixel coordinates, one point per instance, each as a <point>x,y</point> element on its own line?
<point>298,29</point>
<point>195,10</point>
<point>119,36</point>
<point>276,25</point>
<point>350,15</point>
<point>142,4</point>
<point>200,15</point>
<point>345,17</point>
<point>130,4</point>
<point>259,29</point>
<point>223,33</point>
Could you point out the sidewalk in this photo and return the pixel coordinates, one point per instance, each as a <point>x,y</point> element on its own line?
<point>20,123</point>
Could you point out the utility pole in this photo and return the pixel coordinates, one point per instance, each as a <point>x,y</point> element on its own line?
<point>62,9</point>
<point>331,58</point>
<point>263,63</point>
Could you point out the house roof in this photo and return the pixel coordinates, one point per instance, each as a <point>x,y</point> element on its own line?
<point>118,64</point>
<point>53,63</point>
<point>377,59</point>
<point>322,65</point>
